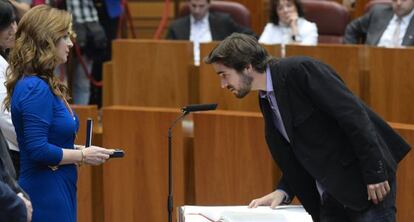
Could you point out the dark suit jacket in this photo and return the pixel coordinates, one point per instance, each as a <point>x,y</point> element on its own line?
<point>221,26</point>
<point>334,138</point>
<point>12,208</point>
<point>372,25</point>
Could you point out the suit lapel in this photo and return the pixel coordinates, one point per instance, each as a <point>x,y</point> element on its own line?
<point>281,93</point>
<point>382,25</point>
<point>409,34</point>
<point>214,27</point>
<point>185,31</point>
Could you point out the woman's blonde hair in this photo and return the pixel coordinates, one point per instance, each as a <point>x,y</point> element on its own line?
<point>34,53</point>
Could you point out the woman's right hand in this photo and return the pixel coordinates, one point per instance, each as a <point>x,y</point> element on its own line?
<point>95,155</point>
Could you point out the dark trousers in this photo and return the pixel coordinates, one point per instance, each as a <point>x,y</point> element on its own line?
<point>333,211</point>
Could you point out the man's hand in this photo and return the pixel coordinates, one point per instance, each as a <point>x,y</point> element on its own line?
<point>272,199</point>
<point>377,192</point>
<point>28,206</point>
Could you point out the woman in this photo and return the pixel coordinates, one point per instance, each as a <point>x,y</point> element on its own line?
<point>44,122</point>
<point>287,25</point>
<point>8,29</point>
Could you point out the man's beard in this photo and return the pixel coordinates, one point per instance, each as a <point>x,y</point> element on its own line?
<point>245,86</point>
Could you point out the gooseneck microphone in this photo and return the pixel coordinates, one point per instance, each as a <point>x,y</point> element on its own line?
<point>199,107</point>
<point>186,110</point>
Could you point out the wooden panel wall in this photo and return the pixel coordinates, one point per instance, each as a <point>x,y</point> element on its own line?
<point>151,73</point>
<point>405,176</point>
<point>231,160</point>
<point>107,89</point>
<point>86,194</point>
<point>347,60</point>
<point>135,187</point>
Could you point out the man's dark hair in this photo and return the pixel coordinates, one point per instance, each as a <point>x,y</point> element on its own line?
<point>208,1</point>
<point>274,18</point>
<point>239,50</point>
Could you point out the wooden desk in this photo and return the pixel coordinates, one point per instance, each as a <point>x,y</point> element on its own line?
<point>135,187</point>
<point>231,160</point>
<point>405,176</point>
<point>87,192</point>
<point>391,83</point>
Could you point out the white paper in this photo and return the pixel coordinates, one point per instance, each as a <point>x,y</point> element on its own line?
<point>286,213</point>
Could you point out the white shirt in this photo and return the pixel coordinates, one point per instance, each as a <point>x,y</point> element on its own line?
<point>199,32</point>
<point>6,124</point>
<point>386,39</point>
<point>282,34</point>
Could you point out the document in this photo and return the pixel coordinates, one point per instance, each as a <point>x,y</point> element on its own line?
<point>286,213</point>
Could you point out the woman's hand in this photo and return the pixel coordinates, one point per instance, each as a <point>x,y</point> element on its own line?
<point>95,155</point>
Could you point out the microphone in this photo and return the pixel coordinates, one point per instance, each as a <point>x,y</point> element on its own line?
<point>199,107</point>
<point>186,110</point>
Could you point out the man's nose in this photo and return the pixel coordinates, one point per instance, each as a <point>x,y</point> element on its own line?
<point>223,84</point>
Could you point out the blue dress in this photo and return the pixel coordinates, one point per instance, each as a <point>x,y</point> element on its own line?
<point>43,127</point>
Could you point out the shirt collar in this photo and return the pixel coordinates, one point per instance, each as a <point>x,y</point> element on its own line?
<point>269,84</point>
<point>201,21</point>
<point>405,19</point>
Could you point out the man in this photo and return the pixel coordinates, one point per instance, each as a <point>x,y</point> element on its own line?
<point>387,26</point>
<point>203,26</point>
<point>337,156</point>
<point>14,203</point>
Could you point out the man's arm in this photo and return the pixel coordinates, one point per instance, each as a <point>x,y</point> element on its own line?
<point>170,34</point>
<point>12,207</point>
<point>282,195</point>
<point>241,29</point>
<point>357,29</point>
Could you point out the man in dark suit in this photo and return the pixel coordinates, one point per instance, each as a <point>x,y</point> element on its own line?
<point>337,156</point>
<point>384,25</point>
<point>221,25</point>
<point>203,26</point>
<point>14,203</point>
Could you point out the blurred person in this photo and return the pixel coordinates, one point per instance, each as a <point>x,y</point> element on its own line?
<point>288,25</point>
<point>91,39</point>
<point>109,12</point>
<point>336,155</point>
<point>384,25</point>
<point>202,26</point>
<point>8,29</point>
<point>45,124</point>
<point>22,6</point>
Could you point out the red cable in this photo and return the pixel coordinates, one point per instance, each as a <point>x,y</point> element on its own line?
<point>85,69</point>
<point>125,18</point>
<point>163,21</point>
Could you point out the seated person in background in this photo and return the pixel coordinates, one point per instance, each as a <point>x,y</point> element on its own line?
<point>387,26</point>
<point>287,25</point>
<point>203,26</point>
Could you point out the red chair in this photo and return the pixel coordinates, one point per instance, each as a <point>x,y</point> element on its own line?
<point>237,11</point>
<point>330,17</point>
<point>372,3</point>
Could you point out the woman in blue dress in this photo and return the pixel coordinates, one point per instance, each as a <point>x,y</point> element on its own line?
<point>44,122</point>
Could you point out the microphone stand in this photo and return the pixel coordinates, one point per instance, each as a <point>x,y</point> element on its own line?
<point>170,202</point>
